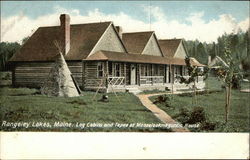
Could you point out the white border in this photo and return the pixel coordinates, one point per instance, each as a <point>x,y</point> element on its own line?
<point>75,145</point>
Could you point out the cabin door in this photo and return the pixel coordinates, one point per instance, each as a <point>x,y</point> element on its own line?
<point>132,74</point>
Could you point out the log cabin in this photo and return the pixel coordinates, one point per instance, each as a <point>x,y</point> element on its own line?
<point>100,56</point>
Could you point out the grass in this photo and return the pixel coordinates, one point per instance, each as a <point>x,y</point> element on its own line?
<point>5,78</point>
<point>27,105</point>
<point>214,106</point>
<point>153,91</point>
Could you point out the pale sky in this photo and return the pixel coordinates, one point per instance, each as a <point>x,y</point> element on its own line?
<point>202,20</point>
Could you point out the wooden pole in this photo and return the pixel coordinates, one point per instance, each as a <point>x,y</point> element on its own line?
<point>125,74</point>
<point>139,74</point>
<point>83,74</point>
<point>107,75</point>
<point>171,79</point>
<point>226,105</point>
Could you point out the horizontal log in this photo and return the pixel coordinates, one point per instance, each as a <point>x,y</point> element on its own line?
<point>33,64</point>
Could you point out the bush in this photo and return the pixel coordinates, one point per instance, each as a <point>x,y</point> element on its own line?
<point>183,116</point>
<point>196,116</point>
<point>162,100</point>
<point>5,75</point>
<point>207,126</point>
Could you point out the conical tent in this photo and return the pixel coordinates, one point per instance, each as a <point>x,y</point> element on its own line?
<point>60,82</point>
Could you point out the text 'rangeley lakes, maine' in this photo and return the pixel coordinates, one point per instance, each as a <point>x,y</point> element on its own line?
<point>143,67</point>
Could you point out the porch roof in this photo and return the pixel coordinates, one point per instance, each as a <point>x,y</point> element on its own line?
<point>134,58</point>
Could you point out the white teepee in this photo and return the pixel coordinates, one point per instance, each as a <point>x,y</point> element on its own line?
<point>60,82</point>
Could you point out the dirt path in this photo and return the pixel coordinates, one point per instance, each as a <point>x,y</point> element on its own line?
<point>160,114</point>
<point>245,90</point>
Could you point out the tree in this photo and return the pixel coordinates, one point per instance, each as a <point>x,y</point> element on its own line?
<point>194,72</point>
<point>201,53</point>
<point>24,40</point>
<point>7,50</point>
<point>229,74</point>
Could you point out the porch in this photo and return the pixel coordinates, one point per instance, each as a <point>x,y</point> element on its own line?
<point>109,76</point>
<point>150,83</point>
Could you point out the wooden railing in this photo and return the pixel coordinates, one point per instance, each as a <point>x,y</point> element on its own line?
<point>151,79</point>
<point>200,79</point>
<point>116,81</point>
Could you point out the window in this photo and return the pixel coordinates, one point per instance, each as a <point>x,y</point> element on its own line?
<point>117,69</point>
<point>161,70</point>
<point>110,69</point>
<point>143,70</point>
<point>100,69</point>
<point>155,70</point>
<point>181,70</point>
<point>148,70</point>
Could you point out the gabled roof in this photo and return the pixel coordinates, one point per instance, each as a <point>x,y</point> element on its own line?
<point>135,42</point>
<point>40,46</point>
<point>217,62</point>
<point>169,46</point>
<point>135,58</point>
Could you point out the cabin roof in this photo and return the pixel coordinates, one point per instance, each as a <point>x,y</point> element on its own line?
<point>40,46</point>
<point>135,42</point>
<point>217,62</point>
<point>169,46</point>
<point>128,57</point>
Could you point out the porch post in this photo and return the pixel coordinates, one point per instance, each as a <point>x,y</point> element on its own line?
<point>107,75</point>
<point>152,79</point>
<point>83,73</point>
<point>167,73</point>
<point>124,73</point>
<point>164,73</point>
<point>171,79</point>
<point>173,73</point>
<point>139,74</point>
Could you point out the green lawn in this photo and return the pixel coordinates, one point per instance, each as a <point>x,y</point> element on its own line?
<point>27,105</point>
<point>214,106</point>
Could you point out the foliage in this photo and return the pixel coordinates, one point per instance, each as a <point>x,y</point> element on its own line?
<point>213,102</point>
<point>240,44</point>
<point>195,116</point>
<point>193,72</point>
<point>162,99</point>
<point>24,40</point>
<point>230,74</point>
<point>5,75</point>
<point>7,50</point>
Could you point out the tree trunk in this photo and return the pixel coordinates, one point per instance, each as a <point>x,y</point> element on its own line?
<point>229,100</point>
<point>195,100</point>
<point>226,105</point>
<point>172,82</point>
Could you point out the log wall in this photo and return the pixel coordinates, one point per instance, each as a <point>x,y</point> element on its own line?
<point>34,74</point>
<point>90,75</point>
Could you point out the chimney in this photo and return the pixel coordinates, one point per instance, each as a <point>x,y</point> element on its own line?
<point>119,30</point>
<point>65,33</point>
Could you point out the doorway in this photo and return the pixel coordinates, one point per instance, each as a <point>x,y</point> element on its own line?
<point>132,74</point>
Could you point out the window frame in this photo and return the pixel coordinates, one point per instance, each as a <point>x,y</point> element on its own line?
<point>115,69</point>
<point>100,70</point>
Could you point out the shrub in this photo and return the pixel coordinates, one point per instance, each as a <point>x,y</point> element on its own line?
<point>162,100</point>
<point>207,126</point>
<point>183,116</point>
<point>196,116</point>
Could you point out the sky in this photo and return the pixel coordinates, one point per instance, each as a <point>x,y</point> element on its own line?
<point>191,20</point>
